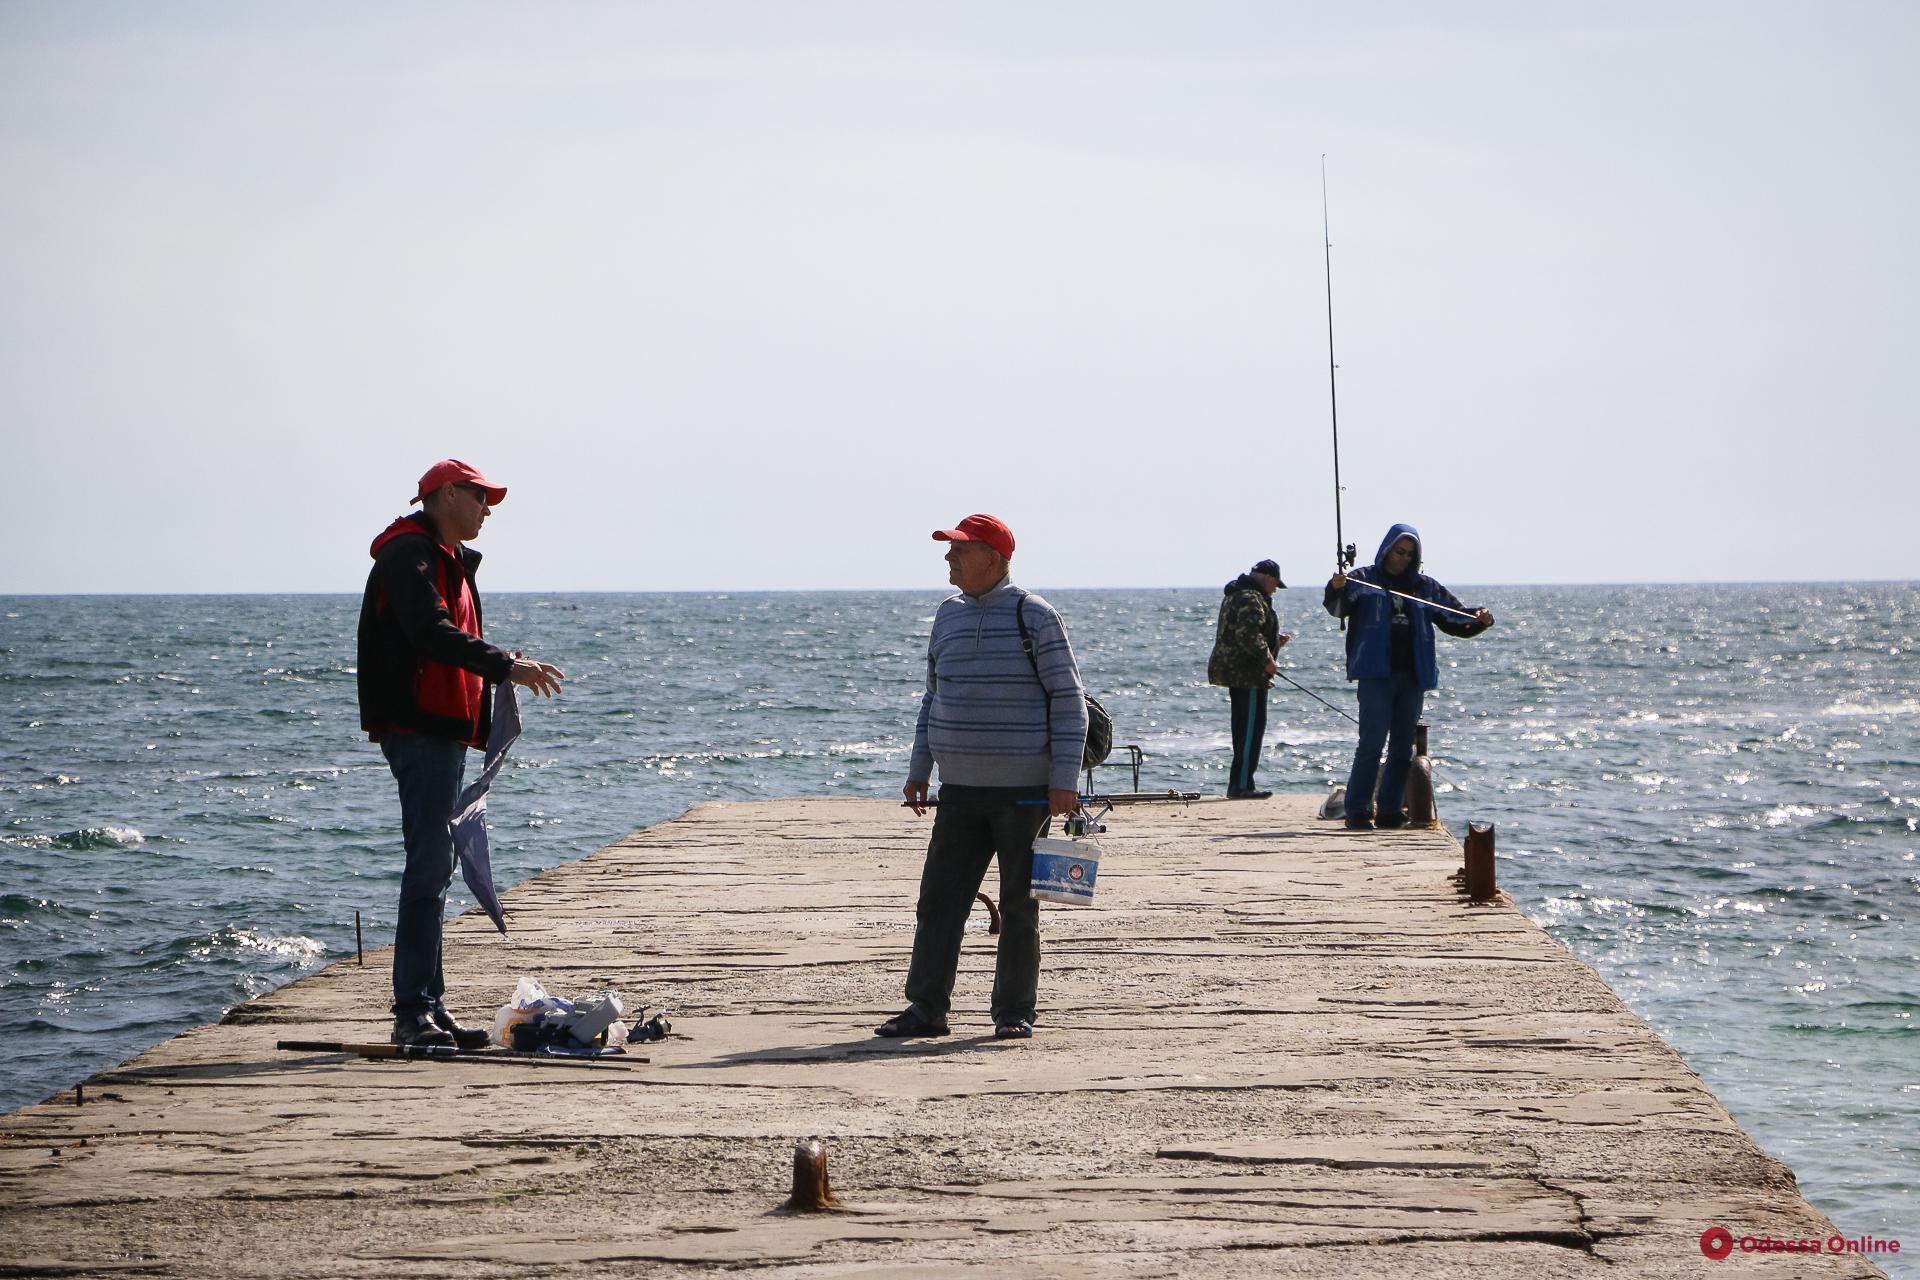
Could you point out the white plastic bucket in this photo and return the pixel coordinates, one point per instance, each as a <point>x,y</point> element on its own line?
<point>1064,871</point>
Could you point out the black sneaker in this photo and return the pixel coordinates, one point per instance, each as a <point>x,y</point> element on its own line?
<point>417,1031</point>
<point>465,1039</point>
<point>1249,795</point>
<point>1390,821</point>
<point>1359,822</point>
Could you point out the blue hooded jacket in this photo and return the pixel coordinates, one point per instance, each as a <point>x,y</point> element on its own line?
<point>1370,638</point>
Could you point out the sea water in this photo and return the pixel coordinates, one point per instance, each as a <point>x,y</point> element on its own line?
<point>1709,793</point>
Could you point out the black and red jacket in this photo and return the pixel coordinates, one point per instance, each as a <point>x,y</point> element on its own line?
<point>420,645</point>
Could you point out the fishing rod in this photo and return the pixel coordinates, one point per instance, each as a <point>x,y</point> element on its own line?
<point>1431,604</point>
<point>447,1053</point>
<point>1344,552</point>
<point>1086,801</point>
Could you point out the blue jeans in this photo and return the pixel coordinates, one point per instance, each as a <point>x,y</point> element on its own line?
<point>1389,712</point>
<point>971,826</point>
<point>429,771</point>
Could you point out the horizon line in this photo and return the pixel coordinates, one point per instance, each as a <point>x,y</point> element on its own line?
<point>947,588</point>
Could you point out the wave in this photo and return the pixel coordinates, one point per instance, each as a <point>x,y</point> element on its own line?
<point>1904,707</point>
<point>233,940</point>
<point>38,782</point>
<point>1830,1029</point>
<point>102,837</point>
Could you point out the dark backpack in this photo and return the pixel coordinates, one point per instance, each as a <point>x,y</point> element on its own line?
<point>1099,723</point>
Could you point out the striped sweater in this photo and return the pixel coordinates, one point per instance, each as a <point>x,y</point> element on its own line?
<point>985,720</point>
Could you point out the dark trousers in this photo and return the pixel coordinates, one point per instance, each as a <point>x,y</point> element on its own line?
<point>1389,712</point>
<point>1249,730</point>
<point>972,826</point>
<point>428,771</point>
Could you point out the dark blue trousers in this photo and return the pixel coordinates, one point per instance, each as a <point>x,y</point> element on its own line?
<point>1249,731</point>
<point>1389,713</point>
<point>428,771</point>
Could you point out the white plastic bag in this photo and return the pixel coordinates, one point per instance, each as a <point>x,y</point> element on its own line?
<point>585,1022</point>
<point>530,1003</point>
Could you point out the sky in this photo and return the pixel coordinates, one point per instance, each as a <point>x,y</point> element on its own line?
<point>741,296</point>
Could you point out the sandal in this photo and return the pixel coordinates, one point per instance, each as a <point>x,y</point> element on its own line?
<point>908,1022</point>
<point>1021,1030</point>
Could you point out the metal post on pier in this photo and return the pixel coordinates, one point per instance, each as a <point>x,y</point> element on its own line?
<point>1421,809</point>
<point>1480,884</point>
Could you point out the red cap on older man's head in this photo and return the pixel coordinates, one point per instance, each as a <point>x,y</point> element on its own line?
<point>454,471</point>
<point>980,528</point>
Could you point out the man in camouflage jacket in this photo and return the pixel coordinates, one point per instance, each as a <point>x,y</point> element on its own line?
<point>1246,653</point>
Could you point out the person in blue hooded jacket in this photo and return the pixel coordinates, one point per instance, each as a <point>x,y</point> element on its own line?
<point>1390,657</point>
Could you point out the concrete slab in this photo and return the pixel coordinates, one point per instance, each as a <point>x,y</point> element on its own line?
<point>1272,1048</point>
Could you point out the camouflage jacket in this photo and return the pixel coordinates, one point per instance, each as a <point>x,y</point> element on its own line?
<point>1245,639</point>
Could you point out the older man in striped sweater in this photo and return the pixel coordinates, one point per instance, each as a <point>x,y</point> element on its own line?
<point>1005,720</point>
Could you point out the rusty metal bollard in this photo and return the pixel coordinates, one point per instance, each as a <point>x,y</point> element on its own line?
<point>1420,807</point>
<point>1421,810</point>
<point>811,1194</point>
<point>1480,884</point>
<point>993,915</point>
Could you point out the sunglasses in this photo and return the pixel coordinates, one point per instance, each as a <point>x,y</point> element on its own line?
<point>476,491</point>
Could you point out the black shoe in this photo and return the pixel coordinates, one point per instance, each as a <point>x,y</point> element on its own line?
<point>465,1039</point>
<point>417,1030</point>
<point>1249,795</point>
<point>1359,822</point>
<point>908,1024</point>
<point>1391,821</point>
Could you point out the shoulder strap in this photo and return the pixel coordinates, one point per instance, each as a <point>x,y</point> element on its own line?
<point>1026,646</point>
<point>1026,638</point>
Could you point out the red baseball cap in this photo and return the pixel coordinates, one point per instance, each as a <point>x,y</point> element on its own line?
<point>454,471</point>
<point>980,528</point>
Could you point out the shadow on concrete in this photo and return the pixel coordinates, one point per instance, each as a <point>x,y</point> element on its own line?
<point>234,1070</point>
<point>869,1046</point>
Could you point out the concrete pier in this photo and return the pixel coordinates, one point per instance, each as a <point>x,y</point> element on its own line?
<point>1272,1048</point>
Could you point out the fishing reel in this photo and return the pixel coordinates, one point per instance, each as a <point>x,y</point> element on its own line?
<point>1081,823</point>
<point>1346,556</point>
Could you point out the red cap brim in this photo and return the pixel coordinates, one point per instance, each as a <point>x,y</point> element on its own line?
<point>496,493</point>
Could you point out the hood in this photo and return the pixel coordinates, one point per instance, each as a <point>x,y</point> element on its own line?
<point>1242,583</point>
<point>410,526</point>
<point>1394,535</point>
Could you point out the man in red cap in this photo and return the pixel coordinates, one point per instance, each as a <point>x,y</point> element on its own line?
<point>1005,720</point>
<point>425,678</point>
